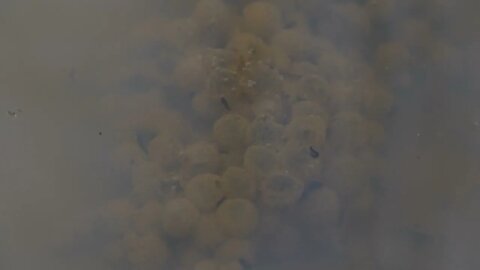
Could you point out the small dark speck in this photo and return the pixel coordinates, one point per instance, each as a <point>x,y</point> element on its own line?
<point>100,133</point>
<point>314,153</point>
<point>225,103</point>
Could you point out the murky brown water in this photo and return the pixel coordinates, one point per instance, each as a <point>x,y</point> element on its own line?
<point>220,134</point>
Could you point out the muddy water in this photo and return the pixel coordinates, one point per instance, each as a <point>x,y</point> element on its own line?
<point>239,135</point>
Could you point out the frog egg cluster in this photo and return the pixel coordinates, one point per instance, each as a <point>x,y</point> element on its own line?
<point>270,119</point>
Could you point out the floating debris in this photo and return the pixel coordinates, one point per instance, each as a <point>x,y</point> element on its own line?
<point>14,113</point>
<point>314,153</point>
<point>225,103</point>
<point>221,201</point>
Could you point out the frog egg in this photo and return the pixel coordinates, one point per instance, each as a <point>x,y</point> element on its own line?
<point>272,106</point>
<point>190,73</point>
<point>149,217</point>
<point>238,183</point>
<point>337,67</point>
<point>165,151</point>
<point>201,157</point>
<point>207,105</point>
<point>204,191</point>
<point>309,130</point>
<point>260,160</point>
<point>280,190</point>
<point>305,108</point>
<point>147,251</point>
<point>208,234</point>
<point>265,130</point>
<point>304,69</point>
<point>235,265</point>
<point>280,60</point>
<point>296,43</point>
<point>248,47</point>
<point>178,127</point>
<point>232,159</point>
<point>213,19</point>
<point>179,218</point>
<point>230,132</point>
<point>146,179</point>
<point>302,161</point>
<point>344,96</point>
<point>211,13</point>
<point>262,18</point>
<point>189,256</point>
<point>206,265</point>
<point>237,217</point>
<point>235,249</point>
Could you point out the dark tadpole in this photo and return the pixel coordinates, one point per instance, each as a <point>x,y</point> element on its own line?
<point>225,103</point>
<point>314,153</point>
